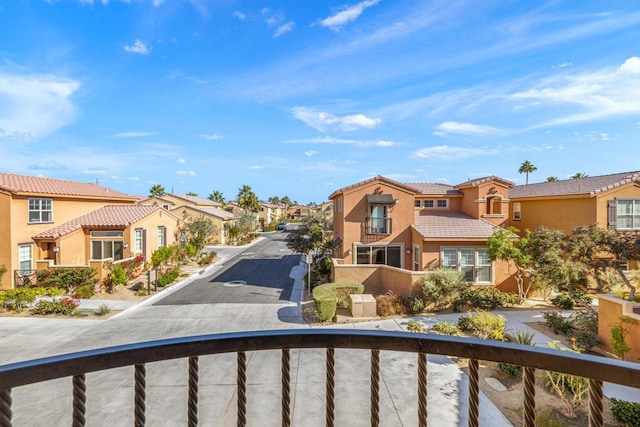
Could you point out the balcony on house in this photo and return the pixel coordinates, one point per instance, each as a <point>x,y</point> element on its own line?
<point>130,367</point>
<point>378,225</point>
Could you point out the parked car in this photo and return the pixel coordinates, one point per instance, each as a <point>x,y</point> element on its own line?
<point>281,226</point>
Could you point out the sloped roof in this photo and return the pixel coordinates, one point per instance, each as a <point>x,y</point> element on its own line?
<point>370,180</point>
<point>26,184</point>
<point>434,188</point>
<point>145,199</point>
<point>210,210</point>
<point>583,186</point>
<point>119,216</point>
<point>195,199</point>
<point>478,181</point>
<point>452,225</point>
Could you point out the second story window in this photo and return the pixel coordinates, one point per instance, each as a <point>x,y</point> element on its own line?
<point>378,221</point>
<point>516,211</point>
<point>628,214</point>
<point>40,210</point>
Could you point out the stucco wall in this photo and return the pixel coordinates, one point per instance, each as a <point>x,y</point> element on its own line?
<point>5,240</point>
<point>378,279</point>
<point>610,309</point>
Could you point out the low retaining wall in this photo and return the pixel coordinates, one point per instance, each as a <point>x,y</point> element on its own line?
<point>610,309</point>
<point>378,279</point>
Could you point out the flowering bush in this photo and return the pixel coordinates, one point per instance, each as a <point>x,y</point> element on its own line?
<point>65,306</point>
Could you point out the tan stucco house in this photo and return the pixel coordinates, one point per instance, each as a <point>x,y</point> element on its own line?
<point>269,213</point>
<point>171,201</point>
<point>221,219</point>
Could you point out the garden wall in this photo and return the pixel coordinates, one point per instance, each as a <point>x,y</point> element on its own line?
<point>378,279</point>
<point>610,309</point>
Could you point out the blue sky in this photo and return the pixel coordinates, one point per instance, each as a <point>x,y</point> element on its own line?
<point>300,98</point>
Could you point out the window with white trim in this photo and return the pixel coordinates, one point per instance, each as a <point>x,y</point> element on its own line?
<point>40,210</point>
<point>435,203</point>
<point>417,203</point>
<point>473,262</point>
<point>105,249</point>
<point>628,214</point>
<point>379,254</point>
<point>442,203</point>
<point>137,241</point>
<point>416,258</point>
<point>516,211</point>
<point>429,203</point>
<point>162,238</point>
<point>25,257</point>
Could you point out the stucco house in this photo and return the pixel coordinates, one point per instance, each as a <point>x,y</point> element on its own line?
<point>298,212</point>
<point>171,201</point>
<point>30,205</point>
<point>269,213</point>
<point>221,219</point>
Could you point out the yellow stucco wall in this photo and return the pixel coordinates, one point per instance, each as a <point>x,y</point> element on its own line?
<point>610,309</point>
<point>218,222</point>
<point>5,239</point>
<point>560,214</point>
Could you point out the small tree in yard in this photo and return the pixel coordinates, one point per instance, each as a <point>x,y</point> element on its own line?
<point>311,236</point>
<point>619,332</point>
<point>505,245</point>
<point>161,256</point>
<point>441,286</point>
<point>199,231</point>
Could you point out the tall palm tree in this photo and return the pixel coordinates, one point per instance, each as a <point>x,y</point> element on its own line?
<point>579,175</point>
<point>275,200</point>
<point>527,167</point>
<point>552,179</point>
<point>157,191</point>
<point>247,199</point>
<point>216,196</point>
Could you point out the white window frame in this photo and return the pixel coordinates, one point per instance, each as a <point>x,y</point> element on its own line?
<point>104,243</point>
<point>386,256</point>
<point>476,262</point>
<point>446,203</point>
<point>25,255</point>
<point>634,214</point>
<point>417,203</point>
<point>427,202</point>
<point>161,237</point>
<point>137,240</point>
<point>416,258</point>
<point>38,209</point>
<point>517,213</point>
<point>106,233</point>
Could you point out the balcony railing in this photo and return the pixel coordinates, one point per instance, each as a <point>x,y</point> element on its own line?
<point>25,278</point>
<point>378,225</point>
<point>77,365</point>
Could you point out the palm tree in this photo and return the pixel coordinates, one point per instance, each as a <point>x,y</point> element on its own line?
<point>275,200</point>
<point>157,191</point>
<point>247,199</point>
<point>552,179</point>
<point>216,196</point>
<point>579,175</point>
<point>191,193</point>
<point>286,201</point>
<point>527,167</point>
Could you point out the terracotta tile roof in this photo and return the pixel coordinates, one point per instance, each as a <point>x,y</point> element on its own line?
<point>210,210</point>
<point>585,186</point>
<point>156,198</point>
<point>370,180</point>
<point>26,184</point>
<point>452,226</point>
<point>108,216</point>
<point>434,188</point>
<point>478,181</point>
<point>195,199</point>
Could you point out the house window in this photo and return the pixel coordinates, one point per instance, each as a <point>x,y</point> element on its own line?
<point>40,210</point>
<point>516,211</point>
<point>416,258</point>
<point>107,233</point>
<point>162,238</point>
<point>628,214</point>
<point>375,254</point>
<point>473,262</point>
<point>378,222</point>
<point>25,258</point>
<point>417,203</point>
<point>137,241</point>
<point>165,207</point>
<point>104,249</point>
<point>442,203</point>
<point>429,204</point>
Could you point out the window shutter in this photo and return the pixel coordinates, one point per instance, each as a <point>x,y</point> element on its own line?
<point>611,214</point>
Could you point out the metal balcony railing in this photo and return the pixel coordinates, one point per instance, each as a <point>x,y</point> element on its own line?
<point>25,278</point>
<point>378,225</point>
<point>77,365</point>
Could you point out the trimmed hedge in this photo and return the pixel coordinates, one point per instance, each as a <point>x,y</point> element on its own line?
<point>330,296</point>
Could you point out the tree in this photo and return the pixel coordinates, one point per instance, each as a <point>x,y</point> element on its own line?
<point>527,167</point>
<point>286,201</point>
<point>157,191</point>
<point>311,236</point>
<point>216,196</point>
<point>247,199</point>
<point>275,200</point>
<point>191,193</point>
<point>199,231</point>
<point>552,179</point>
<point>580,175</point>
<point>505,245</point>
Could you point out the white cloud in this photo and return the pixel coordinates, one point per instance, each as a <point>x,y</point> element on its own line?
<point>46,165</point>
<point>283,29</point>
<point>241,16</point>
<point>330,140</point>
<point>324,121</point>
<point>385,144</point>
<point>34,105</point>
<point>256,167</point>
<point>134,178</point>
<point>465,129</point>
<point>133,134</point>
<point>92,171</point>
<point>139,47</point>
<point>336,21</point>
<point>210,137</point>
<point>157,3</point>
<point>446,152</point>
<point>184,173</point>
<point>310,153</point>
<point>181,161</point>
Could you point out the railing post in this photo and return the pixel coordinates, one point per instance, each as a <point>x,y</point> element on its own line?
<point>79,400</point>
<point>474,397</point>
<point>375,388</point>
<point>140,395</point>
<point>595,403</point>
<point>5,408</point>
<point>422,389</point>
<point>529,397</point>
<point>331,372</point>
<point>242,389</point>
<point>286,387</point>
<point>192,415</point>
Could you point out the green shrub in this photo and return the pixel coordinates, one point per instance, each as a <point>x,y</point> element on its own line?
<point>563,301</point>
<point>442,286</point>
<point>85,291</point>
<point>510,370</point>
<point>65,306</point>
<point>557,322</point>
<point>133,267</point>
<point>206,258</point>
<point>54,291</point>
<point>485,299</point>
<point>168,278</point>
<point>68,278</point>
<point>104,309</point>
<point>343,290</point>
<point>584,324</point>
<point>446,328</point>
<point>390,304</point>
<point>323,266</point>
<point>162,255</point>
<point>484,325</point>
<point>627,413</point>
<point>17,298</point>
<point>519,337</point>
<point>413,326</point>
<point>326,302</point>
<point>415,304</point>
<point>619,332</point>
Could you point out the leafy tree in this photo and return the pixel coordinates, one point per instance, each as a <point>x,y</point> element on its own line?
<point>199,231</point>
<point>505,245</point>
<point>246,221</point>
<point>311,236</point>
<point>216,196</point>
<point>552,179</point>
<point>580,175</point>
<point>286,201</point>
<point>191,193</point>
<point>527,167</point>
<point>157,191</point>
<point>247,199</point>
<point>3,270</point>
